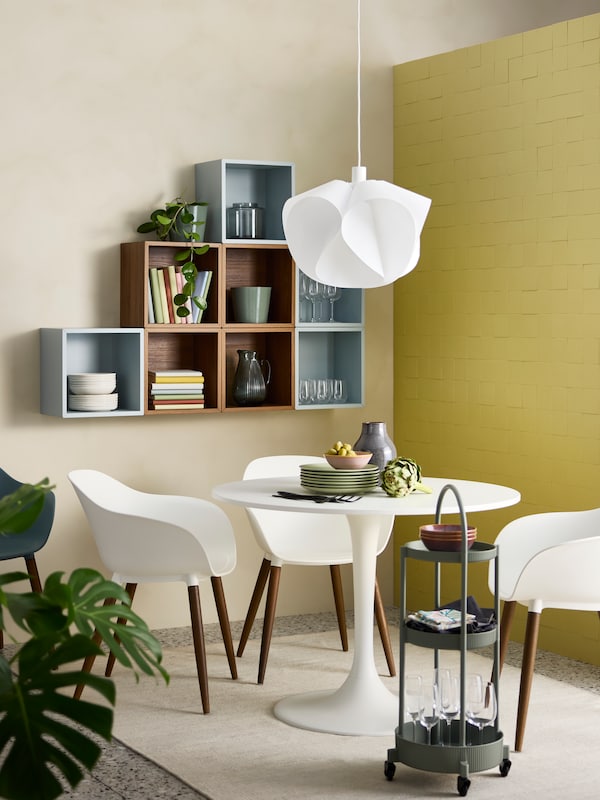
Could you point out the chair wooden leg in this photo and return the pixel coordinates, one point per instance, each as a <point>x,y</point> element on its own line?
<point>199,646</point>
<point>257,594</point>
<point>130,589</point>
<point>508,614</point>
<point>529,651</point>
<point>272,592</point>
<point>219,594</point>
<point>34,575</point>
<point>338,599</point>
<point>384,630</point>
<point>89,661</point>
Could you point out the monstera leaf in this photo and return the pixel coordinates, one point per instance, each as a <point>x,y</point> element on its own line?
<point>48,739</point>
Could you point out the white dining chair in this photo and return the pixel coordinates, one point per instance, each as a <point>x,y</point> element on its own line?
<point>154,538</point>
<point>306,540</point>
<point>547,560</point>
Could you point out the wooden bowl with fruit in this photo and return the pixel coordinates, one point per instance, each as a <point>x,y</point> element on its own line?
<point>342,456</point>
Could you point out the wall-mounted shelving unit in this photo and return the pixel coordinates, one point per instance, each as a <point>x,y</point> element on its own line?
<point>68,351</point>
<point>331,349</point>
<point>211,345</point>
<point>295,347</point>
<point>224,182</point>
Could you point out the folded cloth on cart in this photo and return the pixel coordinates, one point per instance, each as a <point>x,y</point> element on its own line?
<point>478,619</point>
<point>443,619</point>
<point>485,618</point>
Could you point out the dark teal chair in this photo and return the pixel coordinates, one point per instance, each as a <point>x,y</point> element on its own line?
<point>26,544</point>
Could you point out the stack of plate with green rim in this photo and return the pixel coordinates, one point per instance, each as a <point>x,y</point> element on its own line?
<point>321,478</point>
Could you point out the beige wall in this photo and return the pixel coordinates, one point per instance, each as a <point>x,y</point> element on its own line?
<point>105,108</point>
<point>496,358</point>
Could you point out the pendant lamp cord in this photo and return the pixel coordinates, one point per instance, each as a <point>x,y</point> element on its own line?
<point>358,83</point>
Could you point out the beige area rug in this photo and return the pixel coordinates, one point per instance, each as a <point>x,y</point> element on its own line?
<point>240,750</point>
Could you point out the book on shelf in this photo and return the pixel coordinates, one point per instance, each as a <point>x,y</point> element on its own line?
<point>202,285</point>
<point>178,406</point>
<point>184,402</point>
<point>166,388</point>
<point>176,376</point>
<point>160,395</point>
<point>155,296</point>
<point>180,280</point>
<point>151,318</point>
<point>173,286</point>
<point>170,305</point>
<point>162,290</point>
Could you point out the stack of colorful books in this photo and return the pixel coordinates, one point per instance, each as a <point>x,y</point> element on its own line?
<point>164,283</point>
<point>176,389</point>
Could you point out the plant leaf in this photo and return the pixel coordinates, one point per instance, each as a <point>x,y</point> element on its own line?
<point>147,227</point>
<point>20,509</point>
<point>39,726</point>
<point>129,642</point>
<point>189,271</point>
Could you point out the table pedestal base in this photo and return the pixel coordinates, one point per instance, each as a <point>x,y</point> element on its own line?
<point>362,706</point>
<point>345,711</point>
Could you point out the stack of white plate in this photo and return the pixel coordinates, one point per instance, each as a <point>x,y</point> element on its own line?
<point>92,391</point>
<point>323,479</point>
<point>93,402</point>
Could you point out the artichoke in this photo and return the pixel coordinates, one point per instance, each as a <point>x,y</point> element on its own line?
<point>402,476</point>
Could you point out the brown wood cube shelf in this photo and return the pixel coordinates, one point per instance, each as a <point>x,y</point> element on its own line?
<point>211,345</point>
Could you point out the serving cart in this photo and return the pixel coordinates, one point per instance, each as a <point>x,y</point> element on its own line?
<point>458,754</point>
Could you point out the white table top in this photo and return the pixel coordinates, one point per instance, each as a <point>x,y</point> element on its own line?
<point>475,496</point>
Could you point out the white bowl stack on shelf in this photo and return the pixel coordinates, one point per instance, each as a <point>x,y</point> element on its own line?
<point>93,391</point>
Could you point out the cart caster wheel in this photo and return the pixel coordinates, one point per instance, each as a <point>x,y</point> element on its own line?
<point>462,785</point>
<point>389,770</point>
<point>505,767</point>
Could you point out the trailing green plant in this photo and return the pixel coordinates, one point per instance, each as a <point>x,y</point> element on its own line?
<point>48,738</point>
<point>164,222</point>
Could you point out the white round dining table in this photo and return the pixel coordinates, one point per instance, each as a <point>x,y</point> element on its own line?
<point>362,705</point>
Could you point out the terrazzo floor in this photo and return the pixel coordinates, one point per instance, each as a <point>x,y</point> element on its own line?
<point>122,774</point>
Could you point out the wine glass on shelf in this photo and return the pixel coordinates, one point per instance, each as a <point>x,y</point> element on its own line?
<point>481,704</point>
<point>324,390</point>
<point>413,698</point>
<point>304,391</point>
<point>429,714</point>
<point>304,293</point>
<point>314,294</point>
<point>449,697</point>
<point>340,390</point>
<point>332,293</point>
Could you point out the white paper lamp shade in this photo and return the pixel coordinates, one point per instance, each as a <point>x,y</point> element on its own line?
<point>355,235</point>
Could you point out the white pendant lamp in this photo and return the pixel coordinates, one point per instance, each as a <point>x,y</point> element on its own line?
<point>355,235</point>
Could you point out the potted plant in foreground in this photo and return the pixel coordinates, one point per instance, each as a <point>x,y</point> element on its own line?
<point>182,221</point>
<point>47,738</point>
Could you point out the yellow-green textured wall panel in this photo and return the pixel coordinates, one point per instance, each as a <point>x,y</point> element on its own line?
<point>497,330</point>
